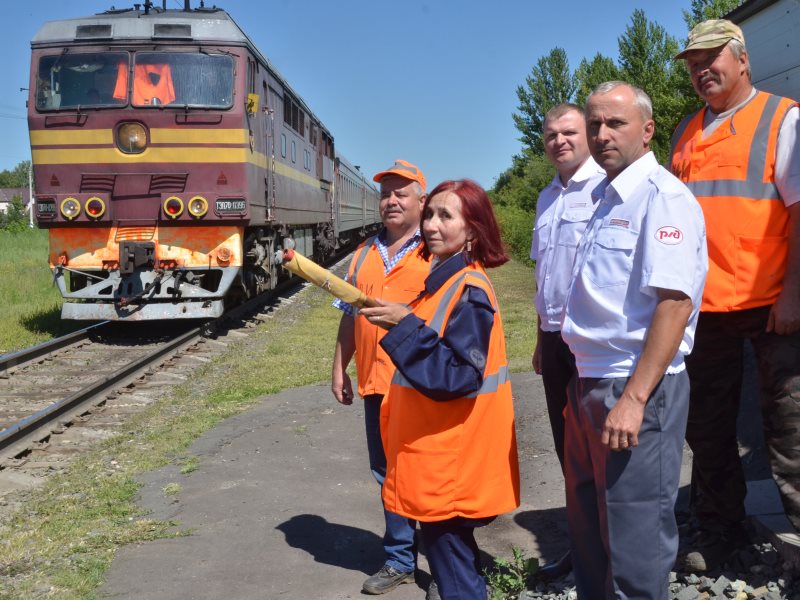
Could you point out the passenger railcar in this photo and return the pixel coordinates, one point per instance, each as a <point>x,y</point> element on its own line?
<point>172,160</point>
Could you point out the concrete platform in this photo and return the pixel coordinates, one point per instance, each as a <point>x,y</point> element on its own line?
<point>283,505</point>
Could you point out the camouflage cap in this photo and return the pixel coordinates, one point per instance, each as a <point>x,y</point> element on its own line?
<point>711,34</point>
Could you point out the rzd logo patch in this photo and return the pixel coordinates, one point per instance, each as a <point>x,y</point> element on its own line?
<point>669,235</point>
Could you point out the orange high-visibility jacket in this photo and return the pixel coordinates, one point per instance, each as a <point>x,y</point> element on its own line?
<point>732,175</point>
<point>402,284</point>
<point>455,457</point>
<point>149,81</point>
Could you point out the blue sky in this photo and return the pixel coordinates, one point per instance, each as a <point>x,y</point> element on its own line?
<point>430,81</point>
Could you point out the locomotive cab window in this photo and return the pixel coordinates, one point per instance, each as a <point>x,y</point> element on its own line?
<point>69,81</point>
<point>178,79</point>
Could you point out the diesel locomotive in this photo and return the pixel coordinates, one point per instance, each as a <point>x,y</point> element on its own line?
<point>172,161</point>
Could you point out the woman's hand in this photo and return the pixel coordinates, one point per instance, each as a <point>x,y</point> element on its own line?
<point>387,315</point>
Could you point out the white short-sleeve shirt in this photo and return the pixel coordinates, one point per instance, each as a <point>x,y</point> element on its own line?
<point>562,213</point>
<point>647,232</point>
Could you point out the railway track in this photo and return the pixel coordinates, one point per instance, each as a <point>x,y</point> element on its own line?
<point>59,398</point>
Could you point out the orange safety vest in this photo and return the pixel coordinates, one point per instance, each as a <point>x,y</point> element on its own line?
<point>402,284</point>
<point>456,457</point>
<point>149,81</point>
<point>732,175</point>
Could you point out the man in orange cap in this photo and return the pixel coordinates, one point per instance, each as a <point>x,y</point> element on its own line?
<point>388,266</point>
<point>740,157</point>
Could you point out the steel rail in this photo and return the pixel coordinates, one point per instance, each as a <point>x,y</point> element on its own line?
<point>21,357</point>
<point>38,420</point>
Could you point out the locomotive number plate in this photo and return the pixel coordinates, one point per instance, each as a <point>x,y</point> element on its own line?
<point>235,206</point>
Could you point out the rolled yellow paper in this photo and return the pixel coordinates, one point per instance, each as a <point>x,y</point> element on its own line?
<point>320,276</point>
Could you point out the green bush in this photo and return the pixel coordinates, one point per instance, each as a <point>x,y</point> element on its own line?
<point>13,219</point>
<point>516,225</point>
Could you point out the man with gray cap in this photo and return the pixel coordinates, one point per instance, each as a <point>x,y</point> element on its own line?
<point>388,266</point>
<point>739,156</point>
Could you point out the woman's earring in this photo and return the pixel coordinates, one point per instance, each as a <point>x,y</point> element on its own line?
<point>469,245</point>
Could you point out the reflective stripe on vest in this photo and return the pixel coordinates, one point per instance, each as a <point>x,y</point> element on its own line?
<point>360,260</point>
<point>753,187</point>
<point>492,382</point>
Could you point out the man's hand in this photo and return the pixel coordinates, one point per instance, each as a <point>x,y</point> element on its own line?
<point>342,388</point>
<point>784,316</point>
<point>621,429</point>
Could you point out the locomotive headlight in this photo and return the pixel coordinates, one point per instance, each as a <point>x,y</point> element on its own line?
<point>131,138</point>
<point>198,206</point>
<point>173,207</point>
<point>95,207</point>
<point>70,208</point>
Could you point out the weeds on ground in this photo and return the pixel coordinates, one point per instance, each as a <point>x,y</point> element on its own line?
<point>31,303</point>
<point>509,578</point>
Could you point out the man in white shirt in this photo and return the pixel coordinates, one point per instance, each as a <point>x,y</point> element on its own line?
<point>629,319</point>
<point>562,211</point>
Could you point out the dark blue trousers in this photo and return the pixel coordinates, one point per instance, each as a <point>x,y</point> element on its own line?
<point>620,505</point>
<point>558,369</point>
<point>398,537</point>
<point>453,557</point>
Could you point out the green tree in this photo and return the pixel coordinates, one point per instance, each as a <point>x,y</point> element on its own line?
<point>700,10</point>
<point>17,177</point>
<point>590,74</point>
<point>550,83</point>
<point>646,53</point>
<point>14,219</point>
<point>520,184</point>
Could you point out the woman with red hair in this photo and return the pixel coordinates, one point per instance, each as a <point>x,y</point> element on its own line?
<point>448,420</point>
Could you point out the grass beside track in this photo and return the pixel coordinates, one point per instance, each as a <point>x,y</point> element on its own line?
<point>64,537</point>
<point>31,303</point>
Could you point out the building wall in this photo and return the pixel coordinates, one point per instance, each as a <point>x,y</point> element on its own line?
<point>772,33</point>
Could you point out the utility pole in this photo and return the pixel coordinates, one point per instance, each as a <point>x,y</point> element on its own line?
<point>30,193</point>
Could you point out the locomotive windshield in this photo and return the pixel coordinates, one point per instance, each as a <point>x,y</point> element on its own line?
<point>199,80</point>
<point>73,80</point>
<point>100,79</point>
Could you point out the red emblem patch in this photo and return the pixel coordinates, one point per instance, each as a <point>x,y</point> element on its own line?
<point>669,235</point>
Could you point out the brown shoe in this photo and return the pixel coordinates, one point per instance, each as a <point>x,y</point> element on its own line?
<point>710,550</point>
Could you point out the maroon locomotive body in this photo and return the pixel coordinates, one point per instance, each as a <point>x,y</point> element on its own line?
<point>172,160</point>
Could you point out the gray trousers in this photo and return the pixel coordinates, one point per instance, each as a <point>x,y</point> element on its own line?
<point>620,505</point>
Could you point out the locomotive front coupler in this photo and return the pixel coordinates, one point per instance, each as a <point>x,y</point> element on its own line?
<point>150,287</point>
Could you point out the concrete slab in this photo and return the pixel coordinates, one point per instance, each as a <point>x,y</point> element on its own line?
<point>764,506</point>
<point>282,505</point>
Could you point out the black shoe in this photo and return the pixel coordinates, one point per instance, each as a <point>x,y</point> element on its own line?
<point>710,550</point>
<point>556,569</point>
<point>433,592</point>
<point>386,580</point>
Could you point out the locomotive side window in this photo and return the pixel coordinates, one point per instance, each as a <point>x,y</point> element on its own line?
<point>79,80</point>
<point>293,115</point>
<point>181,79</point>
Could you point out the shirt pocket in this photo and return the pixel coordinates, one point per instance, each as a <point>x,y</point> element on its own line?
<point>611,262</point>
<point>541,235</point>
<point>572,225</point>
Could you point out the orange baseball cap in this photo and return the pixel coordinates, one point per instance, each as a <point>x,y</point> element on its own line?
<point>403,169</point>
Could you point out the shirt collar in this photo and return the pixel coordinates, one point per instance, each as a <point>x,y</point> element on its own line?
<point>381,237</point>
<point>626,183</point>
<point>442,271</point>
<point>585,172</point>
